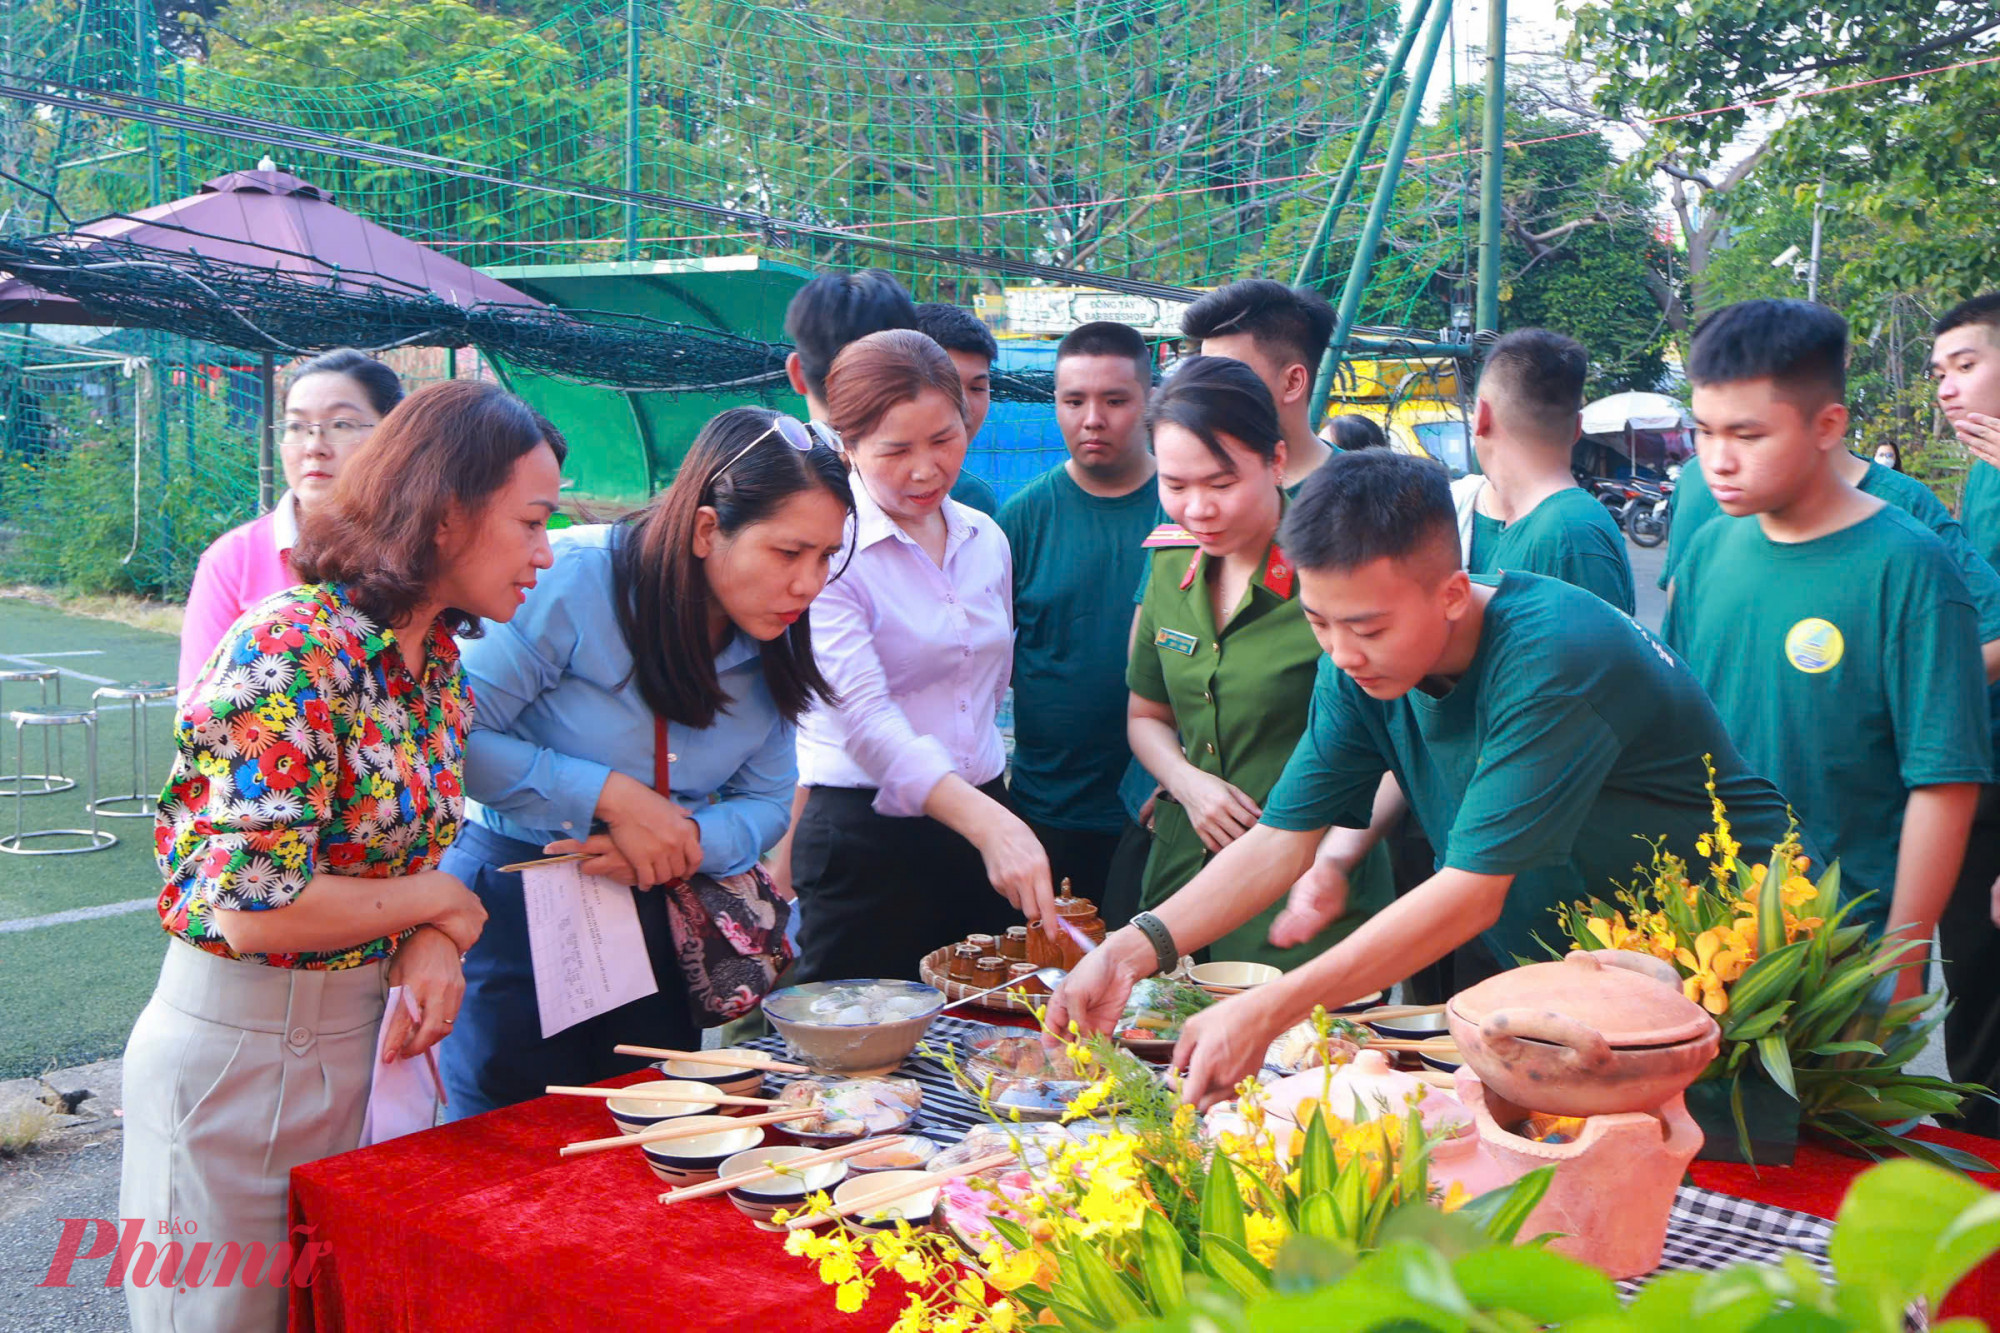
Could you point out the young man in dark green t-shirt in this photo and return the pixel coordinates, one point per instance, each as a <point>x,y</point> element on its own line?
<point>1835,634</point>
<point>1528,513</point>
<point>1542,736</point>
<point>1965,362</point>
<point>1076,533</point>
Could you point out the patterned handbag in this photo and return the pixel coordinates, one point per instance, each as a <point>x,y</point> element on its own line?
<point>729,930</point>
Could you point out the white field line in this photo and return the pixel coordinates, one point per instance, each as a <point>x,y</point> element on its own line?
<point>76,914</point>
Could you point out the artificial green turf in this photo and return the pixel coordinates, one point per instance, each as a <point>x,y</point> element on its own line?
<point>69,993</point>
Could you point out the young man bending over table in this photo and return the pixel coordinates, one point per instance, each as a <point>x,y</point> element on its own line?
<point>1541,736</point>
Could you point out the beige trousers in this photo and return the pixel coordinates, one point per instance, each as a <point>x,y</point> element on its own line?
<point>234,1074</point>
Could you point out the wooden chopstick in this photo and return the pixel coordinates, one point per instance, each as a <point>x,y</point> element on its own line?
<point>722,1185</point>
<point>732,1059</point>
<point>672,1131</point>
<point>898,1191</point>
<point>1384,1013</point>
<point>1434,1045</point>
<point>705,1097</point>
<point>564,859</point>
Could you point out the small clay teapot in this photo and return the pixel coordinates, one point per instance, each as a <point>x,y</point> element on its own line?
<point>1582,1037</point>
<point>1066,950</point>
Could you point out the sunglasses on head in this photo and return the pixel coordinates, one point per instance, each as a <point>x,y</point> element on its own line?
<point>801,435</point>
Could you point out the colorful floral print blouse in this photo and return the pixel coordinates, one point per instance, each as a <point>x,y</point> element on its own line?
<point>307,747</point>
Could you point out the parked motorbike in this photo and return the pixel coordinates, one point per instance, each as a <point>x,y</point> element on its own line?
<point>1648,511</point>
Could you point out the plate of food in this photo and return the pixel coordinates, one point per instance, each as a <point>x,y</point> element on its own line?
<point>1302,1047</point>
<point>850,1109</point>
<point>1159,1007</point>
<point>1015,1073</point>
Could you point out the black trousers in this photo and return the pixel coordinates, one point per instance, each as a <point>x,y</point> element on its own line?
<point>1081,856</point>
<point>877,892</point>
<point>1970,946</point>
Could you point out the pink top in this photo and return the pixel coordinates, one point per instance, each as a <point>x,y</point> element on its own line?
<point>239,569</point>
<point>920,657</point>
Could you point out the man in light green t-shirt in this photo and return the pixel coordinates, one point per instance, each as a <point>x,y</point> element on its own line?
<point>1077,532</point>
<point>1834,632</point>
<point>1528,513</point>
<point>1543,738</point>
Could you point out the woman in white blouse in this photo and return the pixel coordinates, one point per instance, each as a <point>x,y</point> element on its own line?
<point>906,842</point>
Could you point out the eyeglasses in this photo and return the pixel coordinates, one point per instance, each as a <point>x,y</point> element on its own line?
<point>801,435</point>
<point>335,433</point>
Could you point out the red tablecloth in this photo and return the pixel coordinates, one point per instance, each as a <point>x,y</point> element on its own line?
<point>480,1225</point>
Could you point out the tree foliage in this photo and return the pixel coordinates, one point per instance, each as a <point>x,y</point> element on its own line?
<point>1918,157</point>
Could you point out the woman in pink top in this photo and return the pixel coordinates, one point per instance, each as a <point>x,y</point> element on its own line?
<point>332,403</point>
<point>907,841</point>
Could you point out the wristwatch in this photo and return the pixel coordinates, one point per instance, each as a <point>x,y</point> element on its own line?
<point>1166,955</point>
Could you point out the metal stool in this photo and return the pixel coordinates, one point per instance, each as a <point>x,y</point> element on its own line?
<point>95,839</point>
<point>135,696</point>
<point>48,780</point>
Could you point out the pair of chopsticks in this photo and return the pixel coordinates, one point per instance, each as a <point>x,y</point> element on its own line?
<point>727,1183</point>
<point>1385,1013</point>
<point>1439,1045</point>
<point>891,1193</point>
<point>671,1131</point>
<point>729,1059</point>
<point>703,1097</point>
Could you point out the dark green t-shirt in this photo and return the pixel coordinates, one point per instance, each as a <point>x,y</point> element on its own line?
<point>1568,536</point>
<point>1846,667</point>
<point>1979,510</point>
<point>973,491</point>
<point>1692,506</point>
<point>1572,739</point>
<point>1075,554</point>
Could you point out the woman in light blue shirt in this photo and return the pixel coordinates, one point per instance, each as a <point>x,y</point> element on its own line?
<point>694,612</point>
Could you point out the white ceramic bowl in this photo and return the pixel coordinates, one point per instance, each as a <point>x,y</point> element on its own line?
<point>916,1208</point>
<point>1415,1028</point>
<point>723,1078</point>
<point>693,1160</point>
<point>761,1199</point>
<point>634,1113</point>
<point>1237,975</point>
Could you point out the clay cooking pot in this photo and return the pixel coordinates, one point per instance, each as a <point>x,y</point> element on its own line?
<point>1582,1037</point>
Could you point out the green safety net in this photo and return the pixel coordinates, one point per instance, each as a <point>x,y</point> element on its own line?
<point>1172,141</point>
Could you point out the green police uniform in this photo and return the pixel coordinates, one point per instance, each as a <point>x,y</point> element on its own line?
<point>1240,699</point>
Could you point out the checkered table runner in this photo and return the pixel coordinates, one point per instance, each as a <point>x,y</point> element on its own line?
<point>1707,1231</point>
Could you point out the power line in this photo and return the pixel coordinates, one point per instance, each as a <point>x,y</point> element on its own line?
<point>296,138</point>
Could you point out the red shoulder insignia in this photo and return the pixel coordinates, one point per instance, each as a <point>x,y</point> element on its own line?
<point>1279,576</point>
<point>1169,534</point>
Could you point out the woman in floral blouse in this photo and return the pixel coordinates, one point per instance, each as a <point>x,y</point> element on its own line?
<point>319,779</point>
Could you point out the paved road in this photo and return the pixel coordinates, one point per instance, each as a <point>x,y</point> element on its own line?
<point>1645,572</point>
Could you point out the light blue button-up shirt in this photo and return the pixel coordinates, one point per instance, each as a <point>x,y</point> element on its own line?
<point>556,711</point>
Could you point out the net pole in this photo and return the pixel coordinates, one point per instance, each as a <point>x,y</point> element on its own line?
<point>267,479</point>
<point>1364,140</point>
<point>1487,313</point>
<point>1385,197</point>
<point>631,127</point>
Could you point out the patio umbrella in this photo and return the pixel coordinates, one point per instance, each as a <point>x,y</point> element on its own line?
<point>1641,411</point>
<point>272,220</point>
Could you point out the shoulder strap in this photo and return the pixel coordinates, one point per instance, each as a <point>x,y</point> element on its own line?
<point>662,760</point>
<point>1168,535</point>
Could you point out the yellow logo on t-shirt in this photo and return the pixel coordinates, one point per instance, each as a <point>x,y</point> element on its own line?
<point>1814,645</point>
